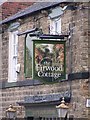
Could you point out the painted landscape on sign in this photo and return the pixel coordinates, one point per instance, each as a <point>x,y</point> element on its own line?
<point>49,60</point>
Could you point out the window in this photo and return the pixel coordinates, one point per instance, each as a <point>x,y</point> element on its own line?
<point>13,52</point>
<point>28,57</point>
<point>55,26</point>
<point>55,20</point>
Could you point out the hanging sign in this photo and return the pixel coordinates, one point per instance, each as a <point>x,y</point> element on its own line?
<point>49,60</point>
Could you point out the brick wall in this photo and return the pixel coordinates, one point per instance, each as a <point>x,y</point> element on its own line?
<point>10,8</point>
<point>77,49</point>
<point>77,104</point>
<point>89,56</point>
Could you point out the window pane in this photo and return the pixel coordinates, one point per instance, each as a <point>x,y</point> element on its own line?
<point>55,26</point>
<point>14,67</point>
<point>13,50</point>
<point>28,57</point>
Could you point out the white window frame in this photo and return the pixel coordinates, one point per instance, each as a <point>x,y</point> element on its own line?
<point>55,26</point>
<point>13,53</point>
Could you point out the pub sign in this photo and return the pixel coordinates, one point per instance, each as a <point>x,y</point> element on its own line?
<point>49,60</point>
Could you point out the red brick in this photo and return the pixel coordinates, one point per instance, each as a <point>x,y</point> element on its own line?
<point>10,8</point>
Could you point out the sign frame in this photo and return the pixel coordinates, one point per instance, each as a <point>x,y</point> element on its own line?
<point>49,43</point>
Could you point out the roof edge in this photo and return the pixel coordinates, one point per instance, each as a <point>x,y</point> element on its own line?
<point>25,12</point>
